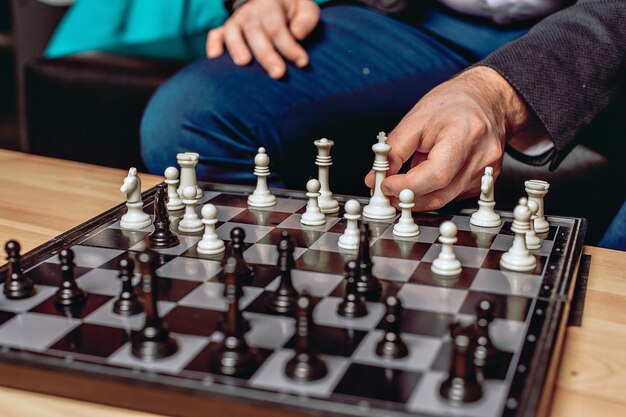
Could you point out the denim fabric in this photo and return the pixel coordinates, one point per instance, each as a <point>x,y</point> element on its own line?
<point>366,71</point>
<point>615,236</point>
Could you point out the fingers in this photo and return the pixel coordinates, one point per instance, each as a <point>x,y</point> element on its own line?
<point>263,50</point>
<point>442,165</point>
<point>276,28</point>
<point>304,19</point>
<point>236,45</point>
<point>215,43</point>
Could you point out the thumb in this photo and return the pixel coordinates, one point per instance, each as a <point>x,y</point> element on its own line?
<point>304,19</point>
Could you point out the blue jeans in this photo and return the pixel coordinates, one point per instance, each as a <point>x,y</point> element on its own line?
<point>366,71</point>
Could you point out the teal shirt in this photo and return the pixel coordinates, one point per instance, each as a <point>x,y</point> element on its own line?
<point>170,29</point>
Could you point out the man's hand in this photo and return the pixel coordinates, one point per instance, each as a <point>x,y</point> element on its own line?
<point>452,134</point>
<point>269,30</point>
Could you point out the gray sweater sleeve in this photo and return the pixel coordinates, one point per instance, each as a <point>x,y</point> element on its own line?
<point>568,68</point>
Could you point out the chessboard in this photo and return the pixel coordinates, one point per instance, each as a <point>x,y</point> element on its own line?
<point>86,353</point>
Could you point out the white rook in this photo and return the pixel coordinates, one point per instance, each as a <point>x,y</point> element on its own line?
<point>537,190</point>
<point>188,162</point>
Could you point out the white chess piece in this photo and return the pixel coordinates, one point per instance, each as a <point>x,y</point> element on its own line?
<point>323,160</point>
<point>349,240</point>
<point>446,263</point>
<point>190,223</point>
<point>188,162</point>
<point>518,258</point>
<point>313,215</point>
<point>486,216</point>
<point>135,218</point>
<point>261,196</point>
<point>379,207</point>
<point>174,202</point>
<point>537,190</point>
<point>406,226</point>
<point>210,244</point>
<point>532,240</point>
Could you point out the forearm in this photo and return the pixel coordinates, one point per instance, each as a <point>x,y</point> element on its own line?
<point>568,68</point>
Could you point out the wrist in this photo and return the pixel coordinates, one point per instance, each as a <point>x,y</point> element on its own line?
<point>509,110</point>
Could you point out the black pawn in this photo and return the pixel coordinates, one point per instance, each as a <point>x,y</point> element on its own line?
<point>368,285</point>
<point>462,385</point>
<point>391,346</point>
<point>353,305</point>
<point>232,356</point>
<point>485,350</point>
<point>17,286</point>
<point>243,322</point>
<point>68,294</point>
<point>127,304</point>
<point>162,236</point>
<point>305,365</point>
<point>244,272</point>
<point>284,299</point>
<point>153,341</point>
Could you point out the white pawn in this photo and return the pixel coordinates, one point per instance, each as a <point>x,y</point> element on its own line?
<point>210,244</point>
<point>349,240</point>
<point>532,240</point>
<point>518,258</point>
<point>190,223</point>
<point>313,216</point>
<point>486,216</point>
<point>446,263</point>
<point>135,218</point>
<point>261,196</point>
<point>174,202</point>
<point>406,226</point>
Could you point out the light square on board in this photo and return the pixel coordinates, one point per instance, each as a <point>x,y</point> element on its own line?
<point>88,256</point>
<point>190,269</point>
<point>188,348</point>
<point>426,297</point>
<point>43,292</point>
<point>428,234</point>
<point>507,282</point>
<point>266,254</point>
<point>468,256</point>
<point>35,331</point>
<point>325,313</point>
<point>272,376</point>
<point>318,284</point>
<point>293,222</point>
<point>104,316</point>
<point>422,352</point>
<point>426,398</point>
<point>393,269</point>
<point>103,281</point>
<point>269,332</point>
<point>209,295</point>
<point>504,243</point>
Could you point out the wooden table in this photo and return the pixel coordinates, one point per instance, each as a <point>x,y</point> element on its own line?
<point>43,197</point>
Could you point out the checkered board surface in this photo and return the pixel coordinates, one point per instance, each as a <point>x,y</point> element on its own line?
<point>95,342</point>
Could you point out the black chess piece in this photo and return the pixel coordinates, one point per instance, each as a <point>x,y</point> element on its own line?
<point>153,341</point>
<point>17,286</point>
<point>243,271</point>
<point>244,324</point>
<point>305,365</point>
<point>127,304</point>
<point>232,356</point>
<point>368,285</point>
<point>284,299</point>
<point>162,236</point>
<point>391,346</point>
<point>69,294</point>
<point>485,350</point>
<point>352,305</point>
<point>462,384</point>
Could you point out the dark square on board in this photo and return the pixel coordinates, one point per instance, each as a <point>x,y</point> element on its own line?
<point>93,340</point>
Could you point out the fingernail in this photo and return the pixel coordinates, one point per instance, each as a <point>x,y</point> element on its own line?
<point>276,72</point>
<point>302,62</point>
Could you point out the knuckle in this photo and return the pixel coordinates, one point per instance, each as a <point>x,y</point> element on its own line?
<point>440,178</point>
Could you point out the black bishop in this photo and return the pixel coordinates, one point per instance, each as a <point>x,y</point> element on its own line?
<point>352,305</point>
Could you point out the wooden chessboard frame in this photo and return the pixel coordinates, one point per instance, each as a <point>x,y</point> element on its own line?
<point>22,370</point>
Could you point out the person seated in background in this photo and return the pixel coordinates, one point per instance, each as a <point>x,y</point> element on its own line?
<point>348,72</point>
